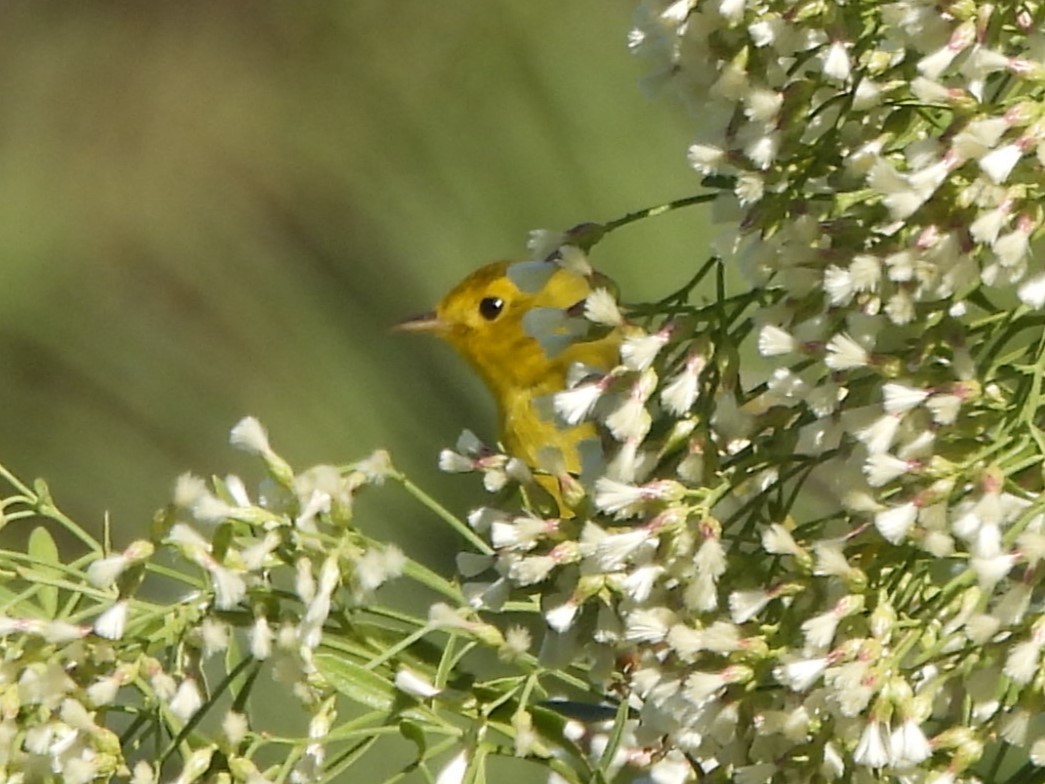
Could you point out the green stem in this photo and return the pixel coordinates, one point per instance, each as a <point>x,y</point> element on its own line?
<point>441,511</point>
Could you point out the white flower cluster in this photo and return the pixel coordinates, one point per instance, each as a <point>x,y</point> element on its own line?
<point>61,681</point>
<point>825,567</point>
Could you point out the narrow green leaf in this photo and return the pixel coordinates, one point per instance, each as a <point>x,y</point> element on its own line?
<point>616,736</point>
<point>357,683</point>
<point>43,548</point>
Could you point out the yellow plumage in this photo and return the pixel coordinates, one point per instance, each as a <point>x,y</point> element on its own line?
<point>482,317</point>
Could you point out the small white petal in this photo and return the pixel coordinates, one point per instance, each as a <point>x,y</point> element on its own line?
<point>411,683</point>
<point>900,397</point>
<point>894,523</point>
<point>110,624</point>
<point>774,341</point>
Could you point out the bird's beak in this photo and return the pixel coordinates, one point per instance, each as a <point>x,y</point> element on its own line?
<point>426,322</point>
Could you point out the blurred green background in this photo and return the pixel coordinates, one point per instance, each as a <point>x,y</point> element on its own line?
<point>218,209</point>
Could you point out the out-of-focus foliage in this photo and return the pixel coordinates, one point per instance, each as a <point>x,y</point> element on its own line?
<point>218,209</point>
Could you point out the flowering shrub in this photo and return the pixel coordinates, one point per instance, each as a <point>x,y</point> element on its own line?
<point>807,547</point>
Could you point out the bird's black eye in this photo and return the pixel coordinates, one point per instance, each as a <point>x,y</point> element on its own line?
<point>490,307</point>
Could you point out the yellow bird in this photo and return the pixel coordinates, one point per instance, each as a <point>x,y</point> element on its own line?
<point>482,317</point>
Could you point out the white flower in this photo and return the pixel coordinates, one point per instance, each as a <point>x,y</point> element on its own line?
<point>836,63</point>
<point>908,744</point>
<point>731,10</point>
<point>882,468</point>
<point>800,674</point>
<point>639,584</point>
<point>561,617</point>
<point>520,533</point>
<point>872,750</point>
<point>762,151</point>
<point>1012,248</point>
<point>631,420</point>
<point>894,523</point>
<point>680,393</point>
<point>454,770</point>
<point>979,136</point>
<point>249,435</point>
<point>103,691</point>
<point>866,272</point>
<point>612,551</point>
<point>261,637</point>
<point>110,624</point>
<point>453,463</point>
<point>531,570</point>
<point>844,353</point>
<point>777,540</point>
<point>638,351</point>
<point>944,407</point>
<point>774,341</point>
<point>1023,661</point>
<point>999,163</point>
<point>409,682</point>
<point>867,95</point>
<point>934,64</point>
<point>1032,291</point>
<point>898,195</point>
<point>234,727</point>
<point>649,625</point>
<point>988,225</point>
<point>229,587</point>
<point>103,572</point>
<point>706,159</point>
<point>618,498</point>
<point>187,700</point>
<point>750,188</point>
<point>838,283</point>
<point>745,605</point>
<point>600,307</point>
<point>879,435</point>
<point>900,397</point>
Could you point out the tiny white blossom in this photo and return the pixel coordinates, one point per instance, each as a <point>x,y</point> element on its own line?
<point>680,393</point>
<point>110,624</point>
<point>908,745</point>
<point>706,159</point>
<point>409,682</point>
<point>650,625</point>
<point>454,770</point>
<point>836,62</point>
<point>880,434</point>
<point>777,540</point>
<point>1032,291</point>
<point>576,405</point>
<point>630,419</point>
<point>900,397</point>
<point>187,700</point>
<point>561,617</point>
<point>800,674</point>
<point>872,749</point>
<point>451,462</point>
<point>844,353</point>
<point>261,637</point>
<point>774,341</point>
<point>601,307</point>
<point>1023,661</point>
<point>250,435</point>
<point>638,351</point>
<point>999,163</point>
<point>882,468</point>
<point>894,523</point>
<point>745,605</point>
